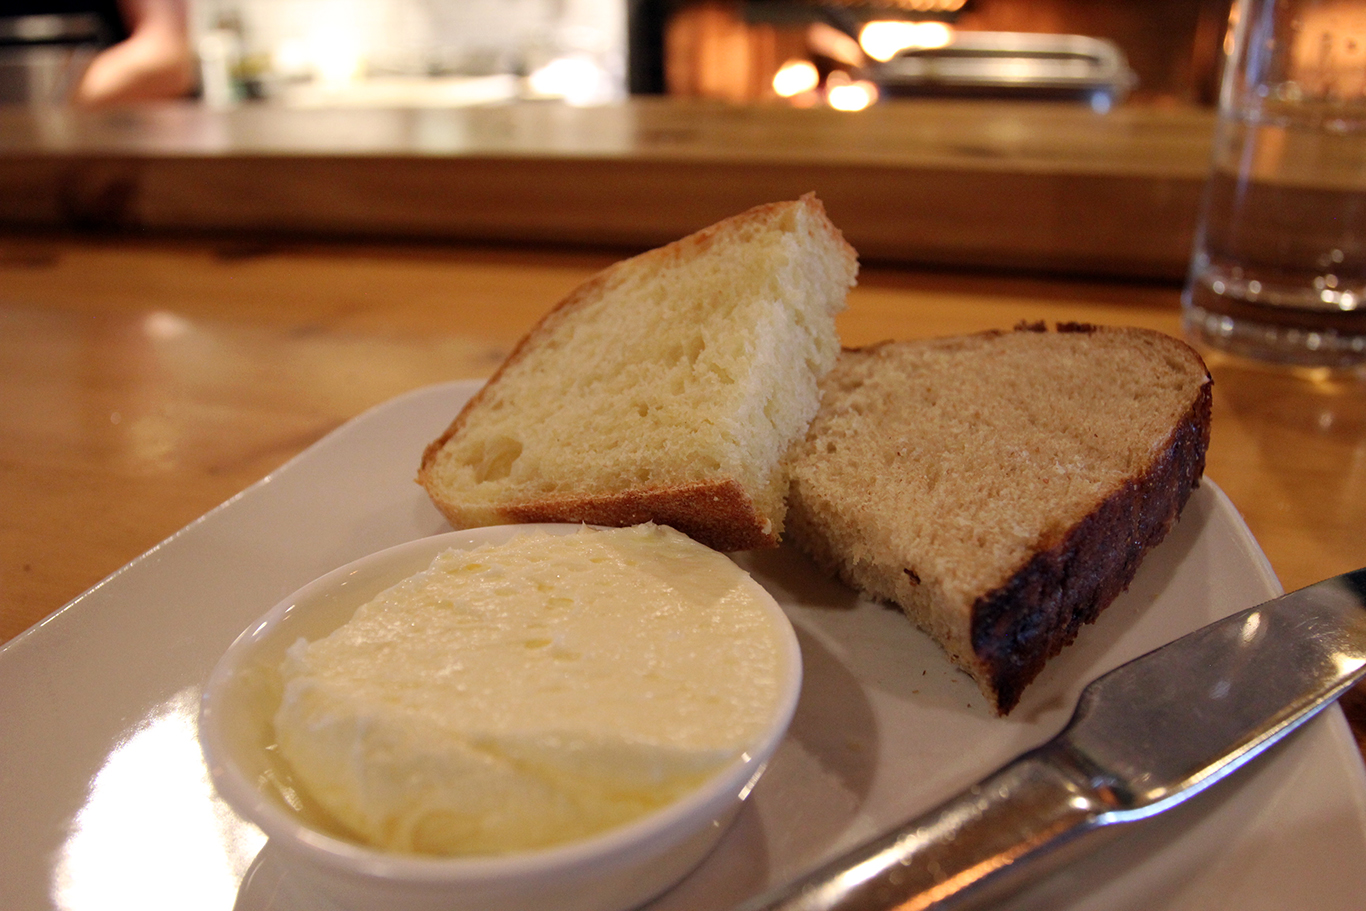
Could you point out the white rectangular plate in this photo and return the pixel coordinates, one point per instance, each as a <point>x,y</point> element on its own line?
<point>104,802</point>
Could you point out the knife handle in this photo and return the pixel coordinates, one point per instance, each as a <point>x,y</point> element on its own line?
<point>955,853</point>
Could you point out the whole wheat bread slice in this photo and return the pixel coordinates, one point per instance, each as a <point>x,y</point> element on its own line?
<point>1001,487</point>
<point>671,387</point>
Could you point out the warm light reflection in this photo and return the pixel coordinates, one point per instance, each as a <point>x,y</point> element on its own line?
<point>336,59</point>
<point>795,77</point>
<point>577,78</point>
<point>938,6</point>
<point>152,833</point>
<point>330,50</point>
<point>165,326</point>
<point>1346,665</point>
<point>883,40</point>
<point>850,96</point>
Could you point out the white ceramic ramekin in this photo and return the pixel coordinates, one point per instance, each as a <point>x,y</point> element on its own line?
<point>618,869</point>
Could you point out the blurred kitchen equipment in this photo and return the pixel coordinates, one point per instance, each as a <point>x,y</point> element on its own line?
<point>42,57</point>
<point>1278,271</point>
<point>1011,65</point>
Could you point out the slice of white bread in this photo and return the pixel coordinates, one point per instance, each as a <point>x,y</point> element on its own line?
<point>1001,487</point>
<point>671,387</point>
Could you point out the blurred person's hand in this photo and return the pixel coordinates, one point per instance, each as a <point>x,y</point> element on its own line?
<point>154,62</point>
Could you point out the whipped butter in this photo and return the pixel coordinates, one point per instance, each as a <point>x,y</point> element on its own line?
<point>525,694</point>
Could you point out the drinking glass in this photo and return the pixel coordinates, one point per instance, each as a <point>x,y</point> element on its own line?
<point>1278,270</point>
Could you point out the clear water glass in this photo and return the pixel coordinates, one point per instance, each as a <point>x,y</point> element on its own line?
<point>1278,271</point>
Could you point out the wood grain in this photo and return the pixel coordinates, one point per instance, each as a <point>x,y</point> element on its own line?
<point>144,382</point>
<point>1027,186</point>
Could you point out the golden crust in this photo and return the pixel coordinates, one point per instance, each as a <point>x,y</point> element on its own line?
<point>719,512</point>
<point>716,513</point>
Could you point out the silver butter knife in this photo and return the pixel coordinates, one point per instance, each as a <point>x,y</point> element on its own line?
<point>1144,737</point>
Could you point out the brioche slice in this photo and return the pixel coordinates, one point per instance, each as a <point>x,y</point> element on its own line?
<point>1002,487</point>
<point>670,388</point>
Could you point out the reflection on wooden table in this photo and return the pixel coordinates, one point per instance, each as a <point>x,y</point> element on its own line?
<point>144,382</point>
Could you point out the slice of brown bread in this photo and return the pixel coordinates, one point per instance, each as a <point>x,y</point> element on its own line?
<point>1001,487</point>
<point>671,387</point>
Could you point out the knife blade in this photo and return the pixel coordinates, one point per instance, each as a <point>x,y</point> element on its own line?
<point>1146,736</point>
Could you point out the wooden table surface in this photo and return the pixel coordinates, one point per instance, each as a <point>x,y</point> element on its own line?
<point>1038,185</point>
<point>143,382</point>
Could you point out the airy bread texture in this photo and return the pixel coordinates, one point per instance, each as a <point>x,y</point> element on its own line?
<point>670,388</point>
<point>1001,487</point>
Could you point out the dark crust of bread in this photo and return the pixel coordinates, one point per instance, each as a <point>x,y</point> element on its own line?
<point>1016,628</point>
<point>1039,610</point>
<point>719,513</point>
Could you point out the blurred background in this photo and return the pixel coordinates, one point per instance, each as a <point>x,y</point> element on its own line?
<point>472,52</point>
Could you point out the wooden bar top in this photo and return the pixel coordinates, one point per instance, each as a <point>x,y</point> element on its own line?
<point>144,381</point>
<point>1025,185</point>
